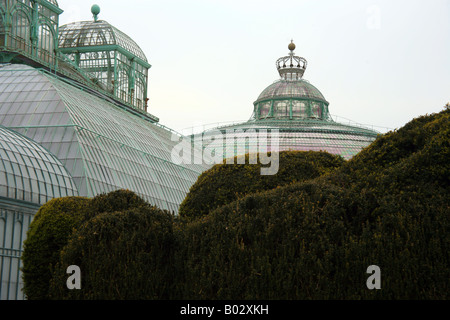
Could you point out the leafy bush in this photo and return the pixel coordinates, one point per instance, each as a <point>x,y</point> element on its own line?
<point>51,228</point>
<point>310,233</point>
<point>124,254</point>
<point>47,235</point>
<point>388,206</point>
<point>225,183</point>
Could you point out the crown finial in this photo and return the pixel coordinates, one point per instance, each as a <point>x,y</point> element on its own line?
<point>291,67</point>
<point>95,9</point>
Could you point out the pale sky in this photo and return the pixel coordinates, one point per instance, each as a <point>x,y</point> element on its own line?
<point>377,62</point>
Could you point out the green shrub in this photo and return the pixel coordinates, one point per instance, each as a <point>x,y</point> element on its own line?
<point>388,206</point>
<point>117,200</point>
<point>225,183</point>
<point>51,227</point>
<point>123,255</point>
<point>48,233</point>
<point>309,232</point>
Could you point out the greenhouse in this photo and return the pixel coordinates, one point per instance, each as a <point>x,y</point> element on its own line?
<point>75,121</point>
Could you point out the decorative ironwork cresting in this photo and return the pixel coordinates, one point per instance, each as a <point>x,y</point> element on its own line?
<point>291,67</point>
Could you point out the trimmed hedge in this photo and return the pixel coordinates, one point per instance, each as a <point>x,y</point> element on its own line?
<point>309,239</point>
<point>388,206</point>
<point>47,235</point>
<point>51,228</point>
<point>122,255</point>
<point>225,183</point>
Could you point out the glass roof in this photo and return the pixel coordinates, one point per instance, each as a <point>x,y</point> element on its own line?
<point>28,172</point>
<point>291,89</point>
<point>96,33</point>
<point>300,135</point>
<point>103,146</point>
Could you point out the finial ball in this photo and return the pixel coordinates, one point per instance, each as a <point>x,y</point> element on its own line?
<point>291,46</point>
<point>95,9</point>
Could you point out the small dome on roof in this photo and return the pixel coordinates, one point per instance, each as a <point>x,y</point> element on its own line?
<point>300,89</point>
<point>97,33</point>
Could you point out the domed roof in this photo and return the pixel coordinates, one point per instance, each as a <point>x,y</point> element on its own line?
<point>97,33</point>
<point>28,172</point>
<point>300,89</point>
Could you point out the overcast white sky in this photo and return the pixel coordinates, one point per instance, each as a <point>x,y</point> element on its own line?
<point>378,62</point>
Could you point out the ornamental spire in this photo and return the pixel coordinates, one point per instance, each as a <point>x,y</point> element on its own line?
<point>291,67</point>
<point>95,9</point>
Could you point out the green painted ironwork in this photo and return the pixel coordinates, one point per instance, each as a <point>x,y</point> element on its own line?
<point>30,34</point>
<point>110,58</point>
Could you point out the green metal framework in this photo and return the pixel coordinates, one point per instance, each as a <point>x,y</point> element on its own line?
<point>94,53</point>
<point>291,99</point>
<point>29,28</point>
<point>109,57</point>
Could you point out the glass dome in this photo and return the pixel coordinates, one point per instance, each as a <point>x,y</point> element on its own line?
<point>97,33</point>
<point>291,89</point>
<point>30,173</point>
<point>291,97</point>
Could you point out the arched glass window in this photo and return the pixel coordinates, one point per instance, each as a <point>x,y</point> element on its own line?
<point>139,93</point>
<point>264,109</point>
<point>281,108</point>
<point>46,43</point>
<point>123,81</point>
<point>20,31</point>
<point>299,109</point>
<point>316,110</point>
<point>2,26</point>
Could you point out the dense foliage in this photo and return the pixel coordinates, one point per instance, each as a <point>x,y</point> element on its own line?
<point>50,229</point>
<point>47,235</point>
<point>310,233</point>
<point>388,206</point>
<point>124,254</point>
<point>225,183</point>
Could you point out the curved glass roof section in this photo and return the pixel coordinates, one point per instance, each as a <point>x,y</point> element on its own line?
<point>28,172</point>
<point>298,135</point>
<point>102,145</point>
<point>300,89</point>
<point>97,33</point>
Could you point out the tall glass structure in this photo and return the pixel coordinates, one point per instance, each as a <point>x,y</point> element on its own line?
<point>74,121</point>
<point>294,109</point>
